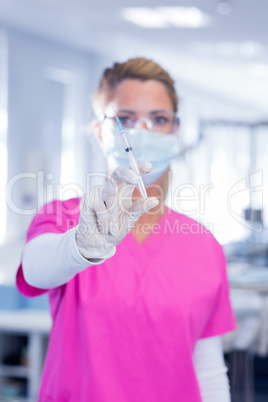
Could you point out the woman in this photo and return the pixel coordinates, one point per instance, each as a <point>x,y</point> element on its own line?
<point>145,323</point>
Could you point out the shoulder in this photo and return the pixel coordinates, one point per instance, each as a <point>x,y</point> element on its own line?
<point>55,217</point>
<point>192,234</point>
<point>69,206</point>
<point>188,226</point>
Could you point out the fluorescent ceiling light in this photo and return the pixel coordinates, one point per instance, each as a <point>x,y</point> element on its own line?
<point>145,17</point>
<point>250,49</point>
<point>163,17</point>
<point>185,17</point>
<point>247,50</point>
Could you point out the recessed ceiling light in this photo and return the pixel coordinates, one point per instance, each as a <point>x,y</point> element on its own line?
<point>144,17</point>
<point>163,17</point>
<point>224,7</point>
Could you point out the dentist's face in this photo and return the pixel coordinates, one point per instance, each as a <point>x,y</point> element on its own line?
<point>142,107</point>
<point>141,97</point>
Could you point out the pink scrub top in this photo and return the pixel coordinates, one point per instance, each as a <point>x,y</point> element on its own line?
<point>125,330</point>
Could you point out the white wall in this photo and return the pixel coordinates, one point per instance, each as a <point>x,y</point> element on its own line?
<point>49,88</point>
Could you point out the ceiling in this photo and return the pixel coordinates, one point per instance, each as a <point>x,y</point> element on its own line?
<point>221,69</point>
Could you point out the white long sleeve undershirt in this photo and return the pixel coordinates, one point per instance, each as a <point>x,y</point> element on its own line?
<point>51,260</point>
<point>211,370</point>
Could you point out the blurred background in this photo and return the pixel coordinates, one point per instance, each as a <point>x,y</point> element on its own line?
<point>52,54</point>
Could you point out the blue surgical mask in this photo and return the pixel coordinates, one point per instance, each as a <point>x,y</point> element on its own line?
<point>157,148</point>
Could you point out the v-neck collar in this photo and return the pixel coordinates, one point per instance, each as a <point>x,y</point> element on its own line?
<point>153,240</point>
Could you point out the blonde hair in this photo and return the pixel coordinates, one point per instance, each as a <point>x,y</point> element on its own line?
<point>138,68</point>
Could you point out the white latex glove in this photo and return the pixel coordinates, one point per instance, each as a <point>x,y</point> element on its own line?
<point>107,213</point>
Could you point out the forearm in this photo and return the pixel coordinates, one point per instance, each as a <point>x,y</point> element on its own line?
<point>211,370</point>
<point>51,260</point>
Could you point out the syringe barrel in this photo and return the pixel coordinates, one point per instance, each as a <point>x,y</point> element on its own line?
<point>133,162</point>
<point>125,140</point>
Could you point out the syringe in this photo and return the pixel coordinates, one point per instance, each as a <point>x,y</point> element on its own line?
<point>131,157</point>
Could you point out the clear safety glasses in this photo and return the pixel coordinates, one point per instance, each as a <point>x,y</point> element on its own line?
<point>161,121</point>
